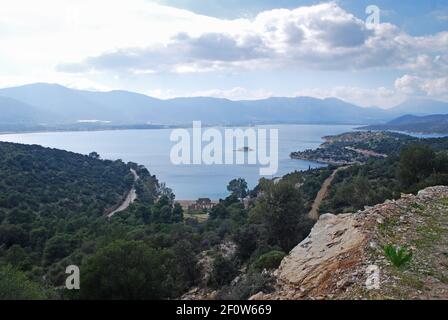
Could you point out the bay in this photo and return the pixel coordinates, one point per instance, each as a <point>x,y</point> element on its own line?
<point>152,149</point>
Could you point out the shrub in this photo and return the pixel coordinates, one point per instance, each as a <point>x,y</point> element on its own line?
<point>126,270</point>
<point>249,285</point>
<point>268,261</point>
<point>224,271</point>
<point>14,285</point>
<point>417,162</point>
<point>397,256</point>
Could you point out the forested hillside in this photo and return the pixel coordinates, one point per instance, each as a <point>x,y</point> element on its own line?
<point>53,204</point>
<point>418,164</point>
<point>53,213</point>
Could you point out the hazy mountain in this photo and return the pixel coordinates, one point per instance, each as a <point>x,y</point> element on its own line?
<point>311,110</point>
<point>55,104</point>
<point>13,111</point>
<point>59,103</point>
<point>421,107</point>
<point>124,106</point>
<point>437,123</point>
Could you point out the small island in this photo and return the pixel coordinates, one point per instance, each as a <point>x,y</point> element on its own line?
<point>245,149</point>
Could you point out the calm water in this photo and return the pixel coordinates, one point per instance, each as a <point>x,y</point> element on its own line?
<point>152,149</point>
<point>424,135</point>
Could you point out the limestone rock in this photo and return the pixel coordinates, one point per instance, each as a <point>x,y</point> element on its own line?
<point>331,262</point>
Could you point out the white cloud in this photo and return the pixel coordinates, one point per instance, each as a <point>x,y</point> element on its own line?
<point>102,44</point>
<point>415,85</point>
<point>407,84</point>
<point>237,93</point>
<point>35,38</point>
<point>365,97</point>
<point>161,94</point>
<point>424,64</point>
<point>322,36</point>
<point>183,53</point>
<point>440,14</point>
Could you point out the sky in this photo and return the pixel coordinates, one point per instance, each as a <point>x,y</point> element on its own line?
<point>251,49</point>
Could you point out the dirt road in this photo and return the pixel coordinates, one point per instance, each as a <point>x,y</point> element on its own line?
<point>130,197</point>
<point>314,213</point>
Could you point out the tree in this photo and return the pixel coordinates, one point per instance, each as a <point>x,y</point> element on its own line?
<point>12,234</point>
<point>417,162</point>
<point>125,270</point>
<point>17,257</point>
<point>14,285</point>
<point>246,239</point>
<point>186,264</point>
<point>238,187</point>
<point>94,155</point>
<point>441,162</point>
<point>38,237</point>
<point>177,214</point>
<point>58,247</point>
<point>223,272</point>
<point>355,193</point>
<point>23,217</point>
<point>166,192</point>
<point>219,212</point>
<point>281,214</point>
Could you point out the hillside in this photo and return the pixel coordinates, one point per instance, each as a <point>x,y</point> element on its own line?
<point>54,208</point>
<point>356,147</point>
<point>52,201</point>
<point>333,261</point>
<point>13,111</point>
<point>437,123</point>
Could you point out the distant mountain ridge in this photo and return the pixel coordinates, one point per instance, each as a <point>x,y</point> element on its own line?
<point>437,123</point>
<point>421,107</point>
<point>12,111</point>
<point>51,104</point>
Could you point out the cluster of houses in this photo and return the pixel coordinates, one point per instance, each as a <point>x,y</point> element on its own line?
<point>199,205</point>
<point>204,204</point>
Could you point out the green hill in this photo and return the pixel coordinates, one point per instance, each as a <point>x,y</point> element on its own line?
<point>53,203</point>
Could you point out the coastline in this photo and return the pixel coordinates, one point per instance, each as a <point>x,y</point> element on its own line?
<point>86,130</point>
<point>408,132</point>
<point>322,161</point>
<point>160,127</point>
<point>151,157</point>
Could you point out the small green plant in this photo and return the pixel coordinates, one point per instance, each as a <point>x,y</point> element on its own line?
<point>268,261</point>
<point>398,256</point>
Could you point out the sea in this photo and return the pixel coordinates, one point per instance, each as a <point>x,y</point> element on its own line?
<point>152,148</point>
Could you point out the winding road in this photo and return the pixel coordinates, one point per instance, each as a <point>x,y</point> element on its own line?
<point>130,197</point>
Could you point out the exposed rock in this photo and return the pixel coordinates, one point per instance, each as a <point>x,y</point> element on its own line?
<point>333,261</point>
<point>205,264</point>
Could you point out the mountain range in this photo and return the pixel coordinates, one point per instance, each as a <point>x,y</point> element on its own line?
<point>52,104</point>
<point>436,123</point>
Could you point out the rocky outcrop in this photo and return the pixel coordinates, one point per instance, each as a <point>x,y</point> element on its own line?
<point>333,262</point>
<point>206,259</point>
